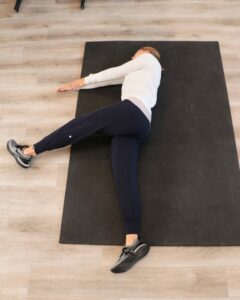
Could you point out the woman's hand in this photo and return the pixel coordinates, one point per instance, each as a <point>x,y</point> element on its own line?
<point>73,85</point>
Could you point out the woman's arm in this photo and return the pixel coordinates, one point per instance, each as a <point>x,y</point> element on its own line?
<point>107,75</point>
<point>102,83</point>
<point>81,84</point>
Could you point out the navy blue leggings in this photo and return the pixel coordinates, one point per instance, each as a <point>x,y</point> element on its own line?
<point>129,128</point>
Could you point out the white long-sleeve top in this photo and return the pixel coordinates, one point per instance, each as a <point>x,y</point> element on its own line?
<point>140,79</point>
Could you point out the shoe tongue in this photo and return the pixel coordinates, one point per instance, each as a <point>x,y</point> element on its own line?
<point>21,147</point>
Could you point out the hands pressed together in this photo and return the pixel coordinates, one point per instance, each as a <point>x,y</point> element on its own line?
<point>73,85</point>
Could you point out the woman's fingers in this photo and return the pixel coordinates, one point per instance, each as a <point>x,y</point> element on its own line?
<point>61,89</point>
<point>64,88</point>
<point>71,85</point>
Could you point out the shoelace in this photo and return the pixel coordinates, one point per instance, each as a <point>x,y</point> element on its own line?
<point>127,250</point>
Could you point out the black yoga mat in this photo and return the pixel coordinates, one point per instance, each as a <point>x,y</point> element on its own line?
<point>188,171</point>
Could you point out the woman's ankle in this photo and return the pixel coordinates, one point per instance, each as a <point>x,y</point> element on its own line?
<point>29,151</point>
<point>131,238</point>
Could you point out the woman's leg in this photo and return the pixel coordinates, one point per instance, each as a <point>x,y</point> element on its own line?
<point>121,118</point>
<point>124,152</point>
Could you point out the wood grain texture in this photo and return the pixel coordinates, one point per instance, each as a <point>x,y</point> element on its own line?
<point>41,47</point>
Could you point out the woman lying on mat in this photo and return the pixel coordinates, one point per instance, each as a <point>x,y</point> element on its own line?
<point>128,122</point>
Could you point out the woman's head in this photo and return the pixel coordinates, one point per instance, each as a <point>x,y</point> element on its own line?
<point>147,49</point>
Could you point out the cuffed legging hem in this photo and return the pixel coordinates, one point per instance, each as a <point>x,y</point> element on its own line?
<point>35,150</point>
<point>132,227</point>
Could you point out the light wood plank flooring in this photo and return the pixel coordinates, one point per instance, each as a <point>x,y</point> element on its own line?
<point>42,47</point>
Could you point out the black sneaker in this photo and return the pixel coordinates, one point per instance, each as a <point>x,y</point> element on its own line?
<point>130,255</point>
<point>16,151</point>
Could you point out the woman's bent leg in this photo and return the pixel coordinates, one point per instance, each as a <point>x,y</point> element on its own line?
<point>121,118</point>
<point>124,151</point>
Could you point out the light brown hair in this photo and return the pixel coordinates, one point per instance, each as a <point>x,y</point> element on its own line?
<point>153,51</point>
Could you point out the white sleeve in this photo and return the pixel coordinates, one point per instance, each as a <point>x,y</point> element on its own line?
<point>117,72</point>
<point>103,83</point>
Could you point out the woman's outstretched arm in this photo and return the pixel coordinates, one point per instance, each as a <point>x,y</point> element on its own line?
<point>81,84</point>
<point>114,75</point>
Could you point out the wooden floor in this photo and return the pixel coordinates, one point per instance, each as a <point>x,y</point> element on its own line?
<point>41,47</point>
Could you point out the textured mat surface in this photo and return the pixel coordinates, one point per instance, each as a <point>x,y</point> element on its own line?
<point>188,171</point>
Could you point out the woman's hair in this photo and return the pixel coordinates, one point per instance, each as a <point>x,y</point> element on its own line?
<point>153,51</point>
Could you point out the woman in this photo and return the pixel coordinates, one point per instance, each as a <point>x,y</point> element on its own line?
<point>129,124</point>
